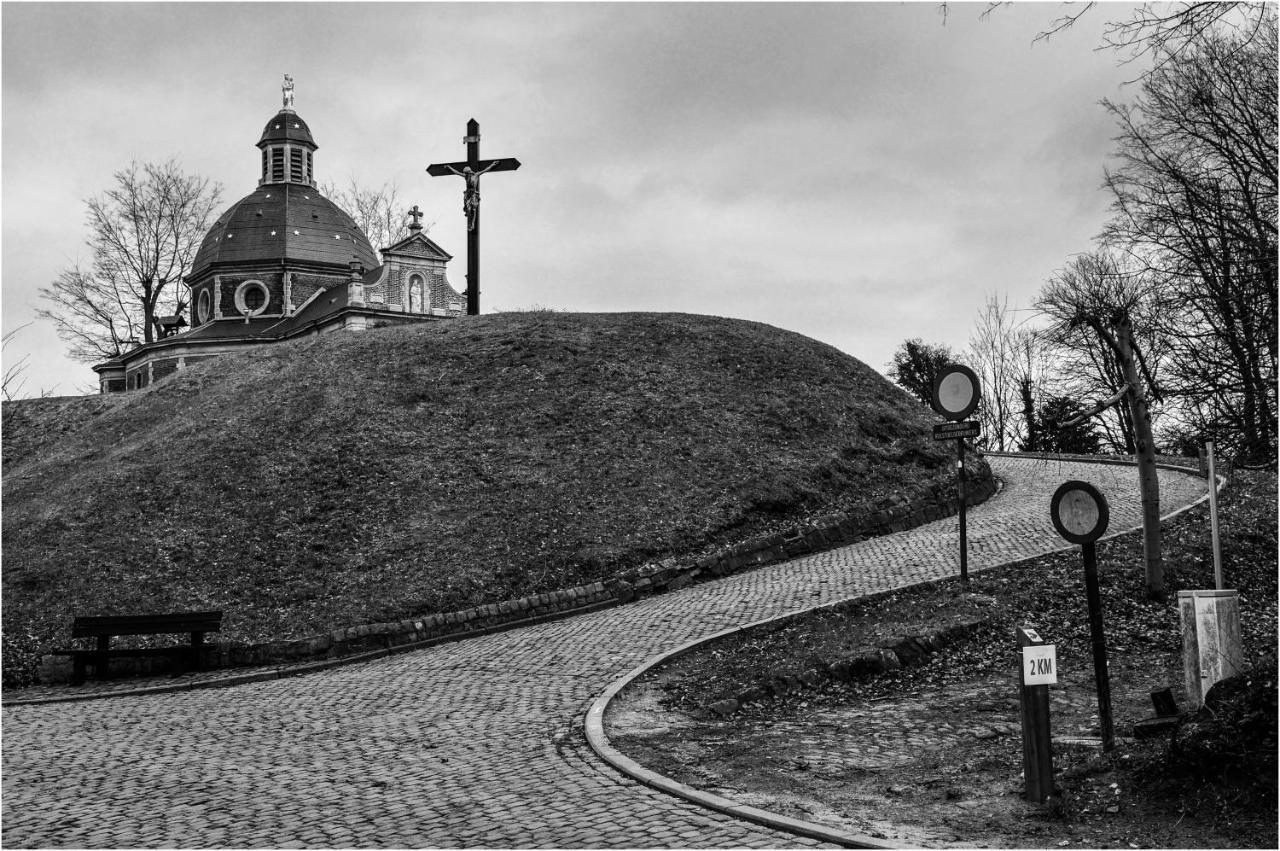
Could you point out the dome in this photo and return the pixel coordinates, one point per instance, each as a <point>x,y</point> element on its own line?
<point>287,126</point>
<point>284,222</point>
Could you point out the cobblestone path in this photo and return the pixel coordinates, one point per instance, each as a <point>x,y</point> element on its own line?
<point>477,743</point>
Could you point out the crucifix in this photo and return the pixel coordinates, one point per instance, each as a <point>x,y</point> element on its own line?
<point>470,170</point>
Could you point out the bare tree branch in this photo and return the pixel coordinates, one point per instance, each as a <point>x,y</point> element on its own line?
<point>144,234</point>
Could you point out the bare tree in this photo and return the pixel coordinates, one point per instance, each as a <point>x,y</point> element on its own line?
<point>1195,197</point>
<point>15,373</point>
<point>144,234</point>
<point>1095,295</point>
<point>379,212</point>
<point>1006,355</point>
<point>1162,30</point>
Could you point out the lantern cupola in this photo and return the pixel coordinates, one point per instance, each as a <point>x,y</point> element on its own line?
<point>287,147</point>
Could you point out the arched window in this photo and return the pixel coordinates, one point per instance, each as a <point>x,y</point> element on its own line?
<point>417,291</point>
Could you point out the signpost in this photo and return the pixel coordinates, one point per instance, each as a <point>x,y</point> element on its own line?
<point>1213,518</point>
<point>1080,514</point>
<point>1039,671</point>
<point>470,170</point>
<point>956,393</point>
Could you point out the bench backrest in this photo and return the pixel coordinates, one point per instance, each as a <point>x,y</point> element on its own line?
<point>93,625</point>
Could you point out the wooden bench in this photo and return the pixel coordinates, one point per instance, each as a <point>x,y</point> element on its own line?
<point>104,627</point>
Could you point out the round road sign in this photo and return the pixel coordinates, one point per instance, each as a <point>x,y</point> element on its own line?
<point>1079,512</point>
<point>955,392</point>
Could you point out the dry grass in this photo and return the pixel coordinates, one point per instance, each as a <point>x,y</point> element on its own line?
<point>367,477</point>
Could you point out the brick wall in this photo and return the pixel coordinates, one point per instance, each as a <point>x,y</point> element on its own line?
<point>274,282</point>
<point>304,286</point>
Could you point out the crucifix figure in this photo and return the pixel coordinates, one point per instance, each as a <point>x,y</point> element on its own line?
<point>470,170</point>
<point>471,193</point>
<point>287,91</point>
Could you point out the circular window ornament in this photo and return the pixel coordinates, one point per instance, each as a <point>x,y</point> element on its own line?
<point>203,307</point>
<point>955,392</point>
<point>252,298</point>
<point>1079,512</point>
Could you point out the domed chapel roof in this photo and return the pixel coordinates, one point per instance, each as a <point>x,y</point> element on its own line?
<point>286,218</point>
<point>282,222</point>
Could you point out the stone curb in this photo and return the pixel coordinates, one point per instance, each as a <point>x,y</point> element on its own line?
<point>599,742</point>
<point>594,729</point>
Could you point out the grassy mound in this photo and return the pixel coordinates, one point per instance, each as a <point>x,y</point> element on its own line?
<point>367,477</point>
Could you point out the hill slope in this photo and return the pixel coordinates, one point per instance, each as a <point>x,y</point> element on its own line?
<point>372,476</point>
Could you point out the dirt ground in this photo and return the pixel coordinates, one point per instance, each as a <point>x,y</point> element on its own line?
<point>931,754</point>
<point>940,767</point>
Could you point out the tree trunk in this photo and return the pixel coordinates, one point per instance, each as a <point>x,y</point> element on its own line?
<point>1145,455</point>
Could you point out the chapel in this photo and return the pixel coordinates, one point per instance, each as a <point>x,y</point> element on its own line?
<point>283,262</point>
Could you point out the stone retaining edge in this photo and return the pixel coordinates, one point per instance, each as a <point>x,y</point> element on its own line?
<point>311,667</point>
<point>593,724</point>
<point>894,513</point>
<point>593,727</point>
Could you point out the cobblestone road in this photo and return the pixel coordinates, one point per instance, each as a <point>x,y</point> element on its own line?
<point>477,743</point>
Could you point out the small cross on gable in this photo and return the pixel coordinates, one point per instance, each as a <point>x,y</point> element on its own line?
<point>416,214</point>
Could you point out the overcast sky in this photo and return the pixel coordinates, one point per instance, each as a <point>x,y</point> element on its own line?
<point>859,173</point>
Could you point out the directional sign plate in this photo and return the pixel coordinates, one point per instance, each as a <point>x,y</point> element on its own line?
<point>957,431</point>
<point>1040,665</point>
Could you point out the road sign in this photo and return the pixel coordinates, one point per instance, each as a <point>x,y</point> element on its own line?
<point>956,392</point>
<point>1039,665</point>
<point>1079,512</point>
<point>957,431</point>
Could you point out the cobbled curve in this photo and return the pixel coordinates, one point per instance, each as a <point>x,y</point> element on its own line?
<point>476,743</point>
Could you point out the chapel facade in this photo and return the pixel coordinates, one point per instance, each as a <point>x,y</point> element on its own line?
<point>284,262</point>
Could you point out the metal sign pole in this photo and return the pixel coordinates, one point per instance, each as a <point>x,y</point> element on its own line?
<point>1099,640</point>
<point>964,537</point>
<point>1213,519</point>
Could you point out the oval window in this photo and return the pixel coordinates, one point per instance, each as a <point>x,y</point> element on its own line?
<point>203,307</point>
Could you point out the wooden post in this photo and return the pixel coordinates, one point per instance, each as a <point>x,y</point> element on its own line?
<point>1037,741</point>
<point>1099,640</point>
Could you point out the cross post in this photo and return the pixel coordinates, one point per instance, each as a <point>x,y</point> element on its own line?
<point>470,170</point>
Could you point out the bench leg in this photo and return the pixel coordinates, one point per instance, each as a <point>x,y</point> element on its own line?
<point>77,670</point>
<point>102,664</point>
<point>197,651</point>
